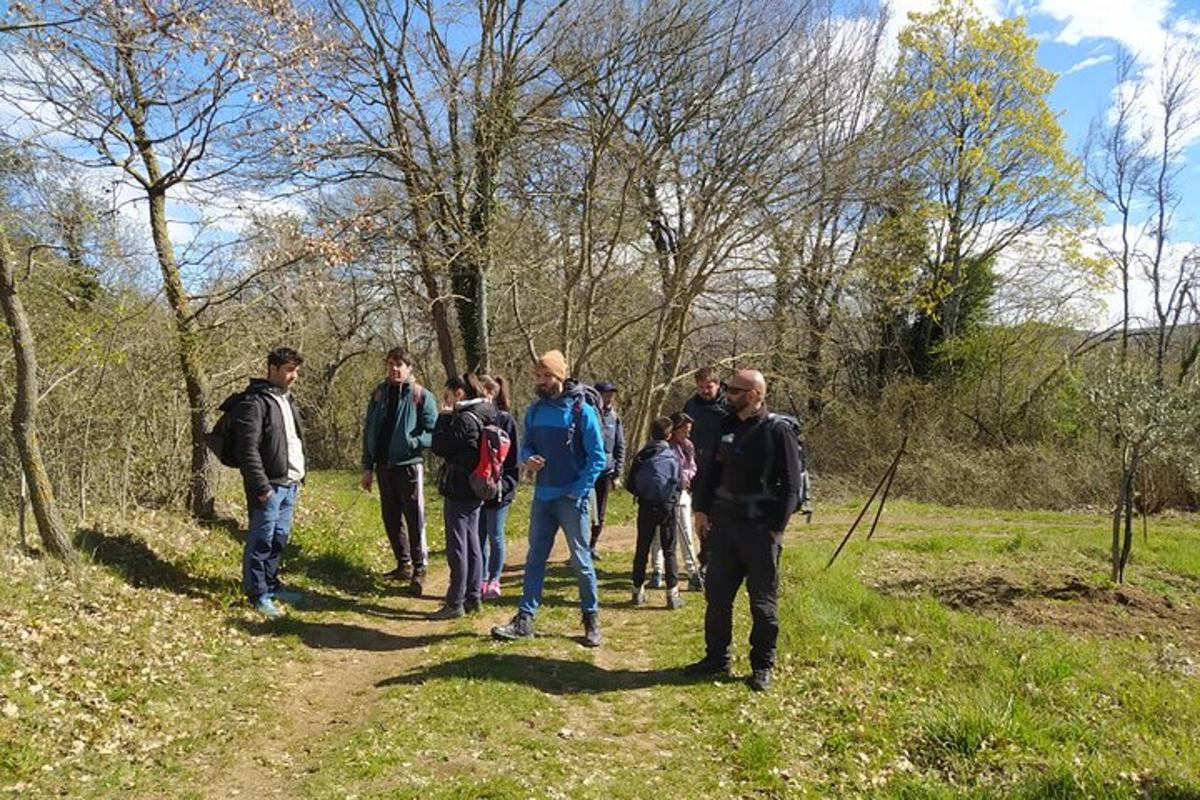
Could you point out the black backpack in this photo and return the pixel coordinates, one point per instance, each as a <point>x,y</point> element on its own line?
<point>220,439</point>
<point>793,425</point>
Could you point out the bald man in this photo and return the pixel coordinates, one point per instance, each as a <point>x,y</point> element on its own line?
<point>744,496</point>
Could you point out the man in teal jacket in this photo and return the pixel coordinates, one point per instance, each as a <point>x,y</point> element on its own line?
<point>398,428</point>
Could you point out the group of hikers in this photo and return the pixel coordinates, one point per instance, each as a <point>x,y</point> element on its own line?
<point>722,469</point>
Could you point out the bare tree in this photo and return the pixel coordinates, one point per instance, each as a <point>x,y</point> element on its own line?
<point>24,415</point>
<point>159,96</point>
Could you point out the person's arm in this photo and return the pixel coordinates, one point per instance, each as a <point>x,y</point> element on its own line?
<point>526,450</point>
<point>370,430</point>
<point>428,420</point>
<point>511,474</point>
<point>442,439</point>
<point>593,446</point>
<point>787,468</point>
<point>247,432</point>
<point>708,478</point>
<point>618,450</point>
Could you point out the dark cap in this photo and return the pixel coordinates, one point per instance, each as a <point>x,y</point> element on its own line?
<point>604,387</point>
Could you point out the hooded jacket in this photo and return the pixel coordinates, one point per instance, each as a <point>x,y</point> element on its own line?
<point>564,430</point>
<point>655,476</point>
<point>456,439</point>
<point>260,438</point>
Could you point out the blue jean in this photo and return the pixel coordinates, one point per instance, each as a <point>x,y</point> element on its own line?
<point>270,527</point>
<point>492,541</point>
<point>545,518</point>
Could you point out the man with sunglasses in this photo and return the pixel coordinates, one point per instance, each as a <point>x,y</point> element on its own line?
<point>744,495</point>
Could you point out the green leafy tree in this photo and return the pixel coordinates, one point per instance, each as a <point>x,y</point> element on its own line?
<point>994,171</point>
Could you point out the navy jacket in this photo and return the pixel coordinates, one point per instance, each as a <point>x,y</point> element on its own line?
<point>655,476</point>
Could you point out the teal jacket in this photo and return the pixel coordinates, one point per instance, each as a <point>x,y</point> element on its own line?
<point>413,432</point>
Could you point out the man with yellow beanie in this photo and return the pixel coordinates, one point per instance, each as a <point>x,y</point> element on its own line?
<point>563,447</point>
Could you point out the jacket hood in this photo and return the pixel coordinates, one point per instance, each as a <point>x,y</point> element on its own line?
<point>481,408</point>
<point>572,388</point>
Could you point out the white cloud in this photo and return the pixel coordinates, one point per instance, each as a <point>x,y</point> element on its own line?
<point>1090,61</point>
<point>1139,25</point>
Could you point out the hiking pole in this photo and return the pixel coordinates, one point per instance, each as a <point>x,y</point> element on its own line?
<point>886,489</point>
<point>883,479</point>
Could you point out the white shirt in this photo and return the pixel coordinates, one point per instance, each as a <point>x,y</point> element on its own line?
<point>295,447</point>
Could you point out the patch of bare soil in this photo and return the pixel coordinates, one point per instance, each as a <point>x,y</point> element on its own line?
<point>1069,602</point>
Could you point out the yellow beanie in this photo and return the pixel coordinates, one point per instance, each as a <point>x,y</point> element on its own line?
<point>555,363</point>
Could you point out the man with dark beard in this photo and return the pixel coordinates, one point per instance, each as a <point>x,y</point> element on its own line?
<point>707,408</point>
<point>747,490</point>
<point>563,447</point>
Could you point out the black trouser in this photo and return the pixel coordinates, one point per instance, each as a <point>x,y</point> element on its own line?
<point>737,551</point>
<point>402,500</point>
<point>603,484</point>
<point>655,519</point>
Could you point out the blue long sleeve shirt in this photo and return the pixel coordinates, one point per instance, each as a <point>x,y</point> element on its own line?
<point>573,463</point>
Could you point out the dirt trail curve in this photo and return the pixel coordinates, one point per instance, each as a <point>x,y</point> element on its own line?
<point>350,656</point>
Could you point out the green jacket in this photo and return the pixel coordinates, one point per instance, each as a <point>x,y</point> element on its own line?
<point>414,429</point>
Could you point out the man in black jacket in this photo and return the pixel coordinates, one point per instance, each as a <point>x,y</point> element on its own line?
<point>269,441</point>
<point>745,494</point>
<point>707,408</point>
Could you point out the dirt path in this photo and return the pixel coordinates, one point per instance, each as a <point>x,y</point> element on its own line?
<point>351,655</point>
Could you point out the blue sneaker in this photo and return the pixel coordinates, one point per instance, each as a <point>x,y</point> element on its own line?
<point>266,606</point>
<point>289,596</point>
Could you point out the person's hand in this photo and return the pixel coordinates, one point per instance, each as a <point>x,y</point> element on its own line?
<point>534,464</point>
<point>701,523</point>
<point>265,494</point>
<point>365,481</point>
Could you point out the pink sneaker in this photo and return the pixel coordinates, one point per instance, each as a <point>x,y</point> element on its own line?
<point>491,590</point>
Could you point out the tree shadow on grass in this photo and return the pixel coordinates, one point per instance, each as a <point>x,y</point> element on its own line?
<point>550,675</point>
<point>341,636</point>
<point>141,567</point>
<point>230,526</point>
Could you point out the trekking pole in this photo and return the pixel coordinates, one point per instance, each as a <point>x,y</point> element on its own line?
<point>888,488</point>
<point>883,479</point>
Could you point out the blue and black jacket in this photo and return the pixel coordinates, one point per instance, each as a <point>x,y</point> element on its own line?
<point>564,430</point>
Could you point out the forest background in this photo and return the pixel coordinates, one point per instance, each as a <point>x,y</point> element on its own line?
<point>897,235</point>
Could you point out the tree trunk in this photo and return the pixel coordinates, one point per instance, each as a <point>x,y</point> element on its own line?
<point>24,413</point>
<point>202,477</point>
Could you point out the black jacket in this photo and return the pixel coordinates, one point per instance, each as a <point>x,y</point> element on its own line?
<point>707,416</point>
<point>260,440</point>
<point>754,474</point>
<point>456,440</point>
<point>512,467</point>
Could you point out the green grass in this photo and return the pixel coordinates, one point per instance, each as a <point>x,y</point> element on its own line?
<point>877,695</point>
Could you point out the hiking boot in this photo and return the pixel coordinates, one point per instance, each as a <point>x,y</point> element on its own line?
<point>520,627</point>
<point>472,606</point>
<point>706,667</point>
<point>591,630</point>
<point>759,680</point>
<point>639,596</point>
<point>674,600</point>
<point>491,590</point>
<point>264,605</point>
<point>400,573</point>
<point>416,587</point>
<point>696,583</point>
<point>447,611</point>
<point>656,580</point>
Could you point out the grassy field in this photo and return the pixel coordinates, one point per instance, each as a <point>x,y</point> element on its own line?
<point>961,653</point>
